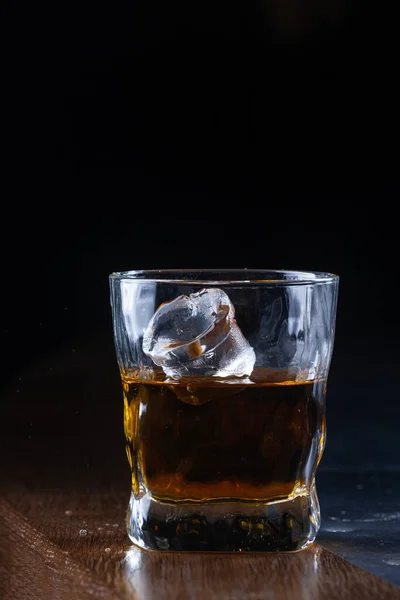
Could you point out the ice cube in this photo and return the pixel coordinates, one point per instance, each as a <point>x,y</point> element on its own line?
<point>197,335</point>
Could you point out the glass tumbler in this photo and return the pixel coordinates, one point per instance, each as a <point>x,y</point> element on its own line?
<point>224,376</point>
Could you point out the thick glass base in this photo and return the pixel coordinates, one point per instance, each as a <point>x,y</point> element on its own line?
<point>225,526</point>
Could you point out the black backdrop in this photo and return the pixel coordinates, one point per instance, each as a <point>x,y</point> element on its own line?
<point>151,135</point>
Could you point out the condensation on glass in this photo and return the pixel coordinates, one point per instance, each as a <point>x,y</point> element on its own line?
<point>224,378</point>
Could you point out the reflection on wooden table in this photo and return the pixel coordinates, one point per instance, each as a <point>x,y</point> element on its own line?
<point>65,486</point>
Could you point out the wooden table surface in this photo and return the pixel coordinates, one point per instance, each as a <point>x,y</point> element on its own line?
<point>64,493</point>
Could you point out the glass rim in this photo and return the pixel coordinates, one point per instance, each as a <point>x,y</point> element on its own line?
<point>271,277</point>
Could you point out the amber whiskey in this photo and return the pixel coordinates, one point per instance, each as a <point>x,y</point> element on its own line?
<point>224,465</point>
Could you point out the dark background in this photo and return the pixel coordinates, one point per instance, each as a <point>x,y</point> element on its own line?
<point>165,135</point>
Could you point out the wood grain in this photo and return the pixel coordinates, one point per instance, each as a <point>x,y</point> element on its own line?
<point>44,555</point>
<point>32,567</point>
<point>311,574</point>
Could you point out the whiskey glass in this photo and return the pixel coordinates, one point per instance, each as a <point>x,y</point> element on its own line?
<point>224,377</point>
